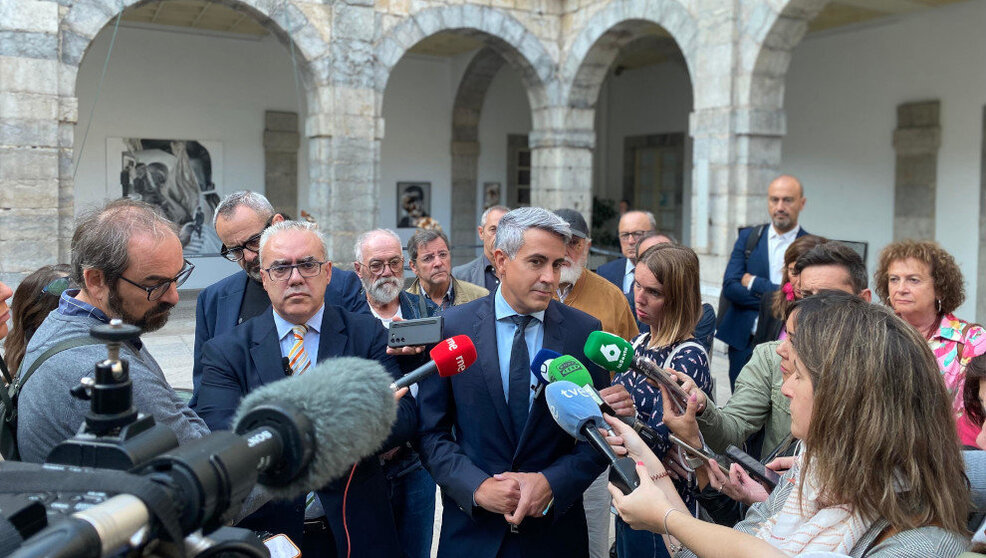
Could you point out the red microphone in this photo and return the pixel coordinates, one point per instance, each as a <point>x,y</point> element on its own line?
<point>449,357</point>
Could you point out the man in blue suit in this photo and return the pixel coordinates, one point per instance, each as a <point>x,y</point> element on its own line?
<point>750,274</point>
<point>511,479</point>
<point>634,225</point>
<point>239,221</point>
<point>290,339</point>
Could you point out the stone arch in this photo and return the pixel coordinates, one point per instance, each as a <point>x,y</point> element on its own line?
<point>502,33</point>
<point>82,22</point>
<point>466,112</point>
<point>597,45</point>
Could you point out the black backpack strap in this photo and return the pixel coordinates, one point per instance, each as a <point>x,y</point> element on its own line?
<point>59,347</point>
<point>5,372</point>
<point>753,240</point>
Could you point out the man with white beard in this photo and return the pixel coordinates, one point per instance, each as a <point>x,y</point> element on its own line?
<point>380,266</point>
<point>585,290</point>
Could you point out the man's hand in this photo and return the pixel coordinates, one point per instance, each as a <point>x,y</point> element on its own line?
<point>535,495</point>
<point>498,494</point>
<point>618,398</point>
<point>747,279</point>
<point>409,350</point>
<point>400,393</point>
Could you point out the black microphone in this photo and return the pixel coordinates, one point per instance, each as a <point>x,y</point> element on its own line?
<point>286,365</point>
<point>294,436</point>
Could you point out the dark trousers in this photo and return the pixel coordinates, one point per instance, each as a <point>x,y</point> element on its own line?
<point>737,360</point>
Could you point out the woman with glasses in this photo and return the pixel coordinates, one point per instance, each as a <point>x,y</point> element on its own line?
<point>36,296</point>
<point>667,298</point>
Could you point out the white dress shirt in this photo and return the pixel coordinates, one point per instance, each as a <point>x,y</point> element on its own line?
<point>777,244</point>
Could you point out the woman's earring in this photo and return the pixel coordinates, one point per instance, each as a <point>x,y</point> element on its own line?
<point>938,300</point>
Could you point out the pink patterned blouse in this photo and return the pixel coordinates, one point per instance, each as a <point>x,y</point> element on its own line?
<point>945,344</point>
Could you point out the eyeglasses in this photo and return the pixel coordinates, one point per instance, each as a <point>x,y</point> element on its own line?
<point>637,235</point>
<point>395,264</point>
<point>57,287</point>
<point>155,292</point>
<point>283,272</point>
<point>235,253</point>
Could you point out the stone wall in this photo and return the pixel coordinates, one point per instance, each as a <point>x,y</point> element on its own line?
<point>736,53</point>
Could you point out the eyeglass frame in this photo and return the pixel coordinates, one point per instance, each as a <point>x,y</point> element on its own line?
<point>225,252</point>
<point>637,235</point>
<point>179,280</point>
<point>396,265</point>
<point>292,267</point>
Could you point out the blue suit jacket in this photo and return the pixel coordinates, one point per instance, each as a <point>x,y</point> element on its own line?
<point>737,324</point>
<point>248,357</point>
<point>217,309</point>
<point>466,437</point>
<point>614,272</point>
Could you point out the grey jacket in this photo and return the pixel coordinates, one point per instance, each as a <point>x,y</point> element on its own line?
<point>48,414</point>
<point>472,272</point>
<point>923,542</point>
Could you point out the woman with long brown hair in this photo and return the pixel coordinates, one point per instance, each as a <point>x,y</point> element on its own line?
<point>880,474</point>
<point>35,297</point>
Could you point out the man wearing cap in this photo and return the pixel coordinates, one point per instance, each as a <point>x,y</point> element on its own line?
<point>585,290</point>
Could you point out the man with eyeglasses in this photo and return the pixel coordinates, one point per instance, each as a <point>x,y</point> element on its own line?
<point>301,330</point>
<point>431,263</point>
<point>380,267</point>
<point>240,220</point>
<point>634,225</point>
<point>127,260</point>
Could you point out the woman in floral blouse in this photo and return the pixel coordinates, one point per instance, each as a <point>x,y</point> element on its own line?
<point>924,285</point>
<point>667,297</point>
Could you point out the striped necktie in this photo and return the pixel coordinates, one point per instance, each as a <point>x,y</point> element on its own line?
<point>297,357</point>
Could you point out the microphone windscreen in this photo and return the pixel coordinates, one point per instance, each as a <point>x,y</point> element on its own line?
<point>560,368</point>
<point>351,407</point>
<point>609,351</point>
<point>578,375</point>
<point>453,355</point>
<point>539,366</point>
<point>572,407</point>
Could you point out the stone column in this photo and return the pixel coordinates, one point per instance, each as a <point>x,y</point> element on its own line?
<point>981,283</point>
<point>916,141</point>
<point>465,159</point>
<point>561,160</point>
<point>32,224</point>
<point>281,140</point>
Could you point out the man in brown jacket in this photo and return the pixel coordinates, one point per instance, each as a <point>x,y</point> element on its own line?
<point>431,263</point>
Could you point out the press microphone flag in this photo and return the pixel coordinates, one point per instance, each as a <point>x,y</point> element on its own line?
<point>448,358</point>
<point>539,366</point>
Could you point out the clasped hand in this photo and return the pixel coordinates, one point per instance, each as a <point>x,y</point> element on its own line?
<point>515,495</point>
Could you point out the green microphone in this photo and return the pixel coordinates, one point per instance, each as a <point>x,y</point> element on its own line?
<point>609,351</point>
<point>568,368</point>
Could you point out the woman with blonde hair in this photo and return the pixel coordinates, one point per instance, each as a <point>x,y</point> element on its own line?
<point>667,298</point>
<point>924,286</point>
<point>880,474</point>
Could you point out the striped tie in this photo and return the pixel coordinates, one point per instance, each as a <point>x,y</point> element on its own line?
<point>297,356</point>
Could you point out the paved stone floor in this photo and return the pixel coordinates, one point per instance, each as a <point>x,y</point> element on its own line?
<point>172,346</point>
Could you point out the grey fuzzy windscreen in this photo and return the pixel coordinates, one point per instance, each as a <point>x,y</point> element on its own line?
<point>350,405</point>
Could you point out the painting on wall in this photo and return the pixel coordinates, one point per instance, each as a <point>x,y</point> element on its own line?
<point>491,195</point>
<point>179,177</point>
<point>413,203</point>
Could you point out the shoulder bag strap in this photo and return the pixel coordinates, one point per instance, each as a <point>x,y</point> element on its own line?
<point>59,347</point>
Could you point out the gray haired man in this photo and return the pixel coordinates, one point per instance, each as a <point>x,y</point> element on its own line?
<point>430,260</point>
<point>481,271</point>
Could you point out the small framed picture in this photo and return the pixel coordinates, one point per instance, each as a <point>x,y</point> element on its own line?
<point>413,203</point>
<point>491,194</point>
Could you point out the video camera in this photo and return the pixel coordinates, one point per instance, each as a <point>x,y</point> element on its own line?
<point>122,486</point>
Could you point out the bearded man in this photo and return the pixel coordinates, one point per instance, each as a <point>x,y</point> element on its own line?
<point>380,267</point>
<point>127,259</point>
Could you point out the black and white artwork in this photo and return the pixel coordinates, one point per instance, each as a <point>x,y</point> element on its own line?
<point>413,203</point>
<point>179,177</point>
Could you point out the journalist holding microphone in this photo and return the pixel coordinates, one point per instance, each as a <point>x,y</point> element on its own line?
<point>880,474</point>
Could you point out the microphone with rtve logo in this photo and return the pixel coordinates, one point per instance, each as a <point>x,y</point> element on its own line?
<point>448,358</point>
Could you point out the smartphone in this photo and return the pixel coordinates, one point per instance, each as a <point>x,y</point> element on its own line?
<point>653,372</point>
<point>695,452</point>
<point>756,469</point>
<point>409,333</point>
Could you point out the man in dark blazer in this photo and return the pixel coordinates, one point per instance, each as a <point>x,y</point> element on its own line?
<point>239,221</point>
<point>480,270</point>
<point>252,355</point>
<point>750,275</point>
<point>511,479</point>
<point>634,225</point>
